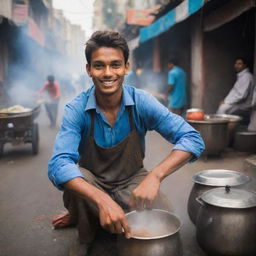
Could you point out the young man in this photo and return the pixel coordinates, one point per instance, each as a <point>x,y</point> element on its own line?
<point>239,99</point>
<point>52,99</point>
<point>177,88</point>
<point>99,150</point>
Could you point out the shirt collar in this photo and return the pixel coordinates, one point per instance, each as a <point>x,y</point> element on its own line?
<point>242,72</point>
<point>127,99</point>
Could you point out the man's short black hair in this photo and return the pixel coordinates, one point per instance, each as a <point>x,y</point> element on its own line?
<point>106,38</point>
<point>50,78</point>
<point>172,60</point>
<point>244,59</point>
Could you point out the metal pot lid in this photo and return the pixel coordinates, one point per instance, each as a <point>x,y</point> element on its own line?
<point>230,198</point>
<point>220,177</point>
<point>230,118</point>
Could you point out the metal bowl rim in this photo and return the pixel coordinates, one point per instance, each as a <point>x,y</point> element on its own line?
<point>158,237</point>
<point>247,178</point>
<point>219,121</point>
<point>230,118</point>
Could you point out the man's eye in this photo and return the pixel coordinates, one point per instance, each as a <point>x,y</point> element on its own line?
<point>116,65</point>
<point>97,66</point>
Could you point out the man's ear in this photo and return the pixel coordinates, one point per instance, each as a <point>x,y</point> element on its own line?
<point>88,70</point>
<point>127,67</point>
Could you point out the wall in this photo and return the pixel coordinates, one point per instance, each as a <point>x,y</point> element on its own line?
<point>222,46</point>
<point>176,43</point>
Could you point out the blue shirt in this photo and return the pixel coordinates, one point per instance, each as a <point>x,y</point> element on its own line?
<point>148,114</point>
<point>178,95</point>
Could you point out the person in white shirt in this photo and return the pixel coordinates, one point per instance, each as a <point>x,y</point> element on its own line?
<point>239,99</point>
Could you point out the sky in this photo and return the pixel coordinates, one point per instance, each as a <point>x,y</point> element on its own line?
<point>78,12</point>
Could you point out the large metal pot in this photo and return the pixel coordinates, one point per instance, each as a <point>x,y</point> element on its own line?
<point>209,179</point>
<point>214,132</point>
<point>154,233</point>
<point>233,122</point>
<point>245,141</point>
<point>226,223</point>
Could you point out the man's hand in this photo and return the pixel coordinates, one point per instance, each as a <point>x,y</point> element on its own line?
<point>144,195</point>
<point>112,216</point>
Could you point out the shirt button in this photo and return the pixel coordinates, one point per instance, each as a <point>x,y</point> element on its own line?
<point>109,129</point>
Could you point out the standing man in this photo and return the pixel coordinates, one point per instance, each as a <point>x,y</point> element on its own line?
<point>52,98</point>
<point>99,150</point>
<point>239,99</point>
<point>176,87</point>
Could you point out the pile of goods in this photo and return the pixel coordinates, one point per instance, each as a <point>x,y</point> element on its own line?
<point>15,109</point>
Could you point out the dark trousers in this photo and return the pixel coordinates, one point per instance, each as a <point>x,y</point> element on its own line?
<point>52,110</point>
<point>86,215</point>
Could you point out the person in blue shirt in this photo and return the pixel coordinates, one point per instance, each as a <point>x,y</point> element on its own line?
<point>98,153</point>
<point>177,91</point>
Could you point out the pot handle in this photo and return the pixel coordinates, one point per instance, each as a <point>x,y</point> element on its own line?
<point>199,200</point>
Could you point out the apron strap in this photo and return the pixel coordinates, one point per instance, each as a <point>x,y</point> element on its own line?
<point>92,124</point>
<point>132,125</point>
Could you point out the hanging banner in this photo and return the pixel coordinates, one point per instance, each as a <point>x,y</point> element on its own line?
<point>142,17</point>
<point>139,17</point>
<point>20,13</point>
<point>35,32</point>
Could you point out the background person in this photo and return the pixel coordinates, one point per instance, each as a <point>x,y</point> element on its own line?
<point>52,89</point>
<point>239,99</point>
<point>176,87</point>
<point>99,150</point>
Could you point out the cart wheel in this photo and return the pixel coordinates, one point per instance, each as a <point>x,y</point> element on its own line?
<point>35,139</point>
<point>1,149</point>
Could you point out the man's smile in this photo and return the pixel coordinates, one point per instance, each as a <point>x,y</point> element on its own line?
<point>108,82</point>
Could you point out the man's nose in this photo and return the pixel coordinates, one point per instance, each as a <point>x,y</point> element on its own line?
<point>108,71</point>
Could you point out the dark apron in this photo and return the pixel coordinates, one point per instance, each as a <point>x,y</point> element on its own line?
<point>113,166</point>
<point>117,171</point>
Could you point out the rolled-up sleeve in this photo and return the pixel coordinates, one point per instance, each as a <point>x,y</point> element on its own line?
<point>62,166</point>
<point>172,127</point>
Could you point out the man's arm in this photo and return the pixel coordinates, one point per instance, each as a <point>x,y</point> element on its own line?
<point>170,88</point>
<point>144,195</point>
<point>171,81</point>
<point>111,215</point>
<point>65,174</point>
<point>43,88</point>
<point>240,90</point>
<point>188,145</point>
<point>57,90</point>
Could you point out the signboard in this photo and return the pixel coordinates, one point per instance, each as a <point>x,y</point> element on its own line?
<point>35,32</point>
<point>139,17</point>
<point>20,13</point>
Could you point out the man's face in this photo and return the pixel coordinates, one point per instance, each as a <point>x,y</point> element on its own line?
<point>107,69</point>
<point>239,65</point>
<point>170,66</point>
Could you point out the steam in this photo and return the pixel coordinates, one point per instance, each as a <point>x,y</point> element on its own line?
<point>149,224</point>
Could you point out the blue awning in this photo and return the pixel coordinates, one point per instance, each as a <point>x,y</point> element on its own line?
<point>180,13</point>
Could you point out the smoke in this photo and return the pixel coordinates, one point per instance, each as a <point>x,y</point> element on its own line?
<point>29,65</point>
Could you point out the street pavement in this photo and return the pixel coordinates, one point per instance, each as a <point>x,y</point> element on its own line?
<point>28,200</point>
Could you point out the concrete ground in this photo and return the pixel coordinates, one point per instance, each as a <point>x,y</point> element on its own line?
<point>28,200</point>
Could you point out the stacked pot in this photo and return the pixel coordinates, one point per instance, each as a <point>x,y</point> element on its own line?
<point>224,213</point>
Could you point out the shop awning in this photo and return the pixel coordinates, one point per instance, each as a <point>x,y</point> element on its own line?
<point>228,12</point>
<point>178,14</point>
